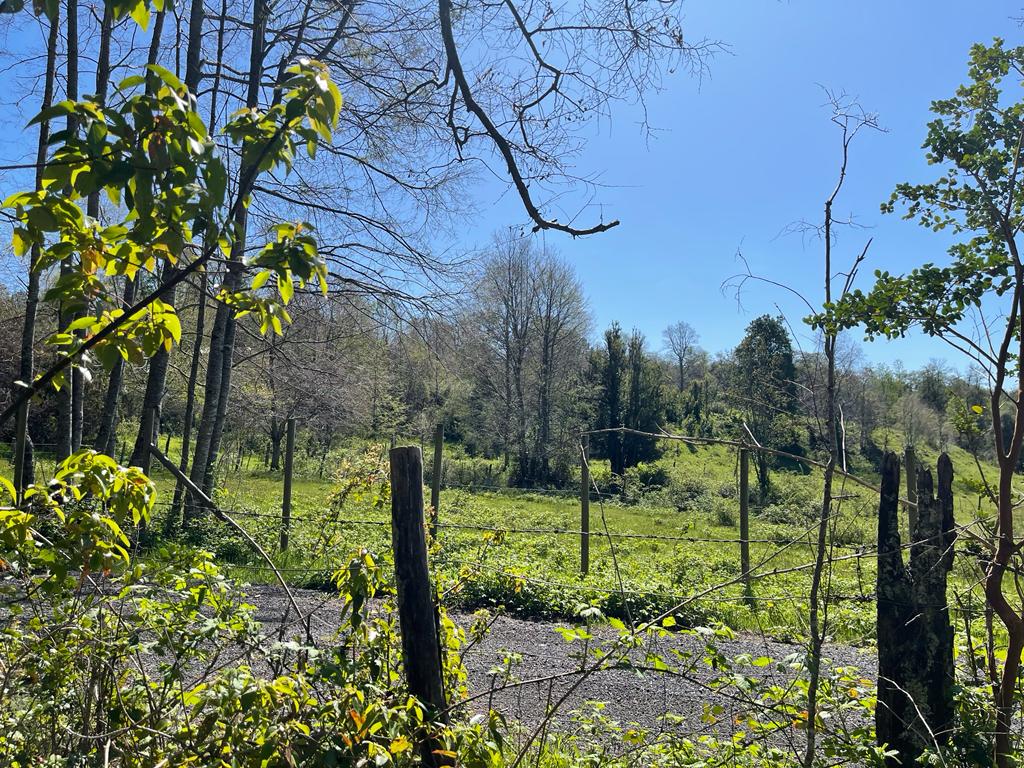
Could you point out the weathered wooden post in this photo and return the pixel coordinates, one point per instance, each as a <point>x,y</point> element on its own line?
<point>915,637</point>
<point>421,645</point>
<point>584,506</point>
<point>286,501</point>
<point>435,480</point>
<point>745,525</point>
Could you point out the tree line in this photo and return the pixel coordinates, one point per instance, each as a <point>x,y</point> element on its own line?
<point>515,372</point>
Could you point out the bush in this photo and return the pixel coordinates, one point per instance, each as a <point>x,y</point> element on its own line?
<point>725,512</point>
<point>689,494</point>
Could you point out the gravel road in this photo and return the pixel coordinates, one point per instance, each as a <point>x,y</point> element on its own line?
<point>630,697</point>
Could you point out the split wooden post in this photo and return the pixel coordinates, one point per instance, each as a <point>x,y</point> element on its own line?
<point>421,645</point>
<point>435,480</point>
<point>745,525</point>
<point>916,678</point>
<point>584,506</point>
<point>289,465</point>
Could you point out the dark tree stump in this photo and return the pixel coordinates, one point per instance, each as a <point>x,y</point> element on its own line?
<point>915,638</point>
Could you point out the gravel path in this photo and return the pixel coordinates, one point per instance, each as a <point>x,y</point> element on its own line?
<point>630,697</point>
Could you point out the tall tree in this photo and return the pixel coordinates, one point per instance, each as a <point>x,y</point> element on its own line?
<point>681,342</point>
<point>765,389</point>
<point>645,409</point>
<point>977,139</point>
<point>610,365</point>
<point>69,396</point>
<point>26,370</point>
<point>561,327</point>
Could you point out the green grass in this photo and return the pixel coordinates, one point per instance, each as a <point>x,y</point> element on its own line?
<point>538,575</point>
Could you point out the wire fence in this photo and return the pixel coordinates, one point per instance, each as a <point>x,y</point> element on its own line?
<point>319,571</point>
<point>792,539</point>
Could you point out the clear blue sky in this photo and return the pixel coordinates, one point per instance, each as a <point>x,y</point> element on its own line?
<point>750,150</point>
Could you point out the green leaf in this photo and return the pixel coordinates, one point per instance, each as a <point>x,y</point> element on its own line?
<point>21,241</point>
<point>167,76</point>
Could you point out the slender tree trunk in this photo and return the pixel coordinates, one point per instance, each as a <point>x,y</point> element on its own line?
<point>224,393</point>
<point>66,403</point>
<point>1006,686</point>
<point>26,369</point>
<point>818,614</point>
<point>204,435</point>
<point>106,439</point>
<point>522,449</point>
<point>92,209</point>
<point>190,399</point>
<point>276,433</point>
<point>218,372</point>
<point>156,380</point>
<point>542,457</point>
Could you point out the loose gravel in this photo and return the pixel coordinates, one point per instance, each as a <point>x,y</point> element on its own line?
<point>550,661</point>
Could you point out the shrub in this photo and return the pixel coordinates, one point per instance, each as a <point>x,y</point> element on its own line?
<point>725,512</point>
<point>690,493</point>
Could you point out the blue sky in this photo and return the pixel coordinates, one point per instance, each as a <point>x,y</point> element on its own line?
<point>750,150</point>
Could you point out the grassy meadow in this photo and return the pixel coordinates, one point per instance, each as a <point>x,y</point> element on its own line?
<point>692,559</point>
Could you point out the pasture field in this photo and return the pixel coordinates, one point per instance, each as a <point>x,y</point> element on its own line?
<point>671,545</point>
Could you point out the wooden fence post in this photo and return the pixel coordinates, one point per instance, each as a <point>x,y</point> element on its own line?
<point>289,465</point>
<point>435,480</point>
<point>745,525</point>
<point>421,645</point>
<point>584,506</point>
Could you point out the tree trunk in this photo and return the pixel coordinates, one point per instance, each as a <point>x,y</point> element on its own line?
<point>149,421</point>
<point>544,407</point>
<point>276,434</point>
<point>108,419</point>
<point>224,393</point>
<point>106,436</point>
<point>66,404</point>
<point>761,464</point>
<point>190,402</point>
<point>218,374</point>
<point>26,369</point>
<point>915,638</point>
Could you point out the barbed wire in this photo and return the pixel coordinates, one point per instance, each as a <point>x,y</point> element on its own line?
<point>864,548</point>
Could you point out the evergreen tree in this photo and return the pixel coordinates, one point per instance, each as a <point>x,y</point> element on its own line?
<point>645,409</point>
<point>609,366</point>
<point>765,390</point>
